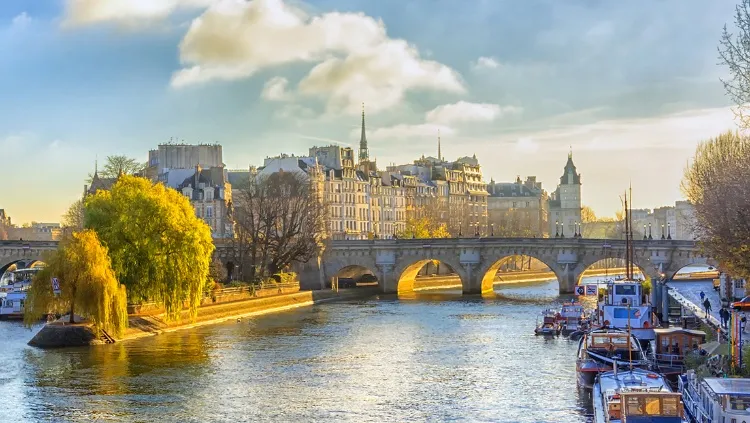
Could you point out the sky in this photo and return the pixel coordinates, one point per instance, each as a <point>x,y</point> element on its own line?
<point>631,87</point>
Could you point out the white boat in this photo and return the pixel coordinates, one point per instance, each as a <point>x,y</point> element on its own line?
<point>549,325</point>
<point>573,318</point>
<point>622,306</point>
<point>13,287</point>
<point>715,400</point>
<point>635,396</point>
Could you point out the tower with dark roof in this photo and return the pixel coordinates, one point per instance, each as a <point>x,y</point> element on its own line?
<point>565,202</point>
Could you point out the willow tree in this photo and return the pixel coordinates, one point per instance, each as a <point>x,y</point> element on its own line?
<point>716,184</point>
<point>88,286</point>
<point>159,249</point>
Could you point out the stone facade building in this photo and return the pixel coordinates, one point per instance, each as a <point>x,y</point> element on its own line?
<point>517,208</point>
<point>565,203</point>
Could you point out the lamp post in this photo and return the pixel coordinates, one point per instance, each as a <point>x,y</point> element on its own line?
<point>644,232</point>
<point>492,228</point>
<point>649,231</point>
<point>460,234</point>
<point>669,231</point>
<point>662,231</point>
<point>562,230</point>
<point>557,229</point>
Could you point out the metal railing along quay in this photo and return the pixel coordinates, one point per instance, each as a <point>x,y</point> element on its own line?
<point>699,312</point>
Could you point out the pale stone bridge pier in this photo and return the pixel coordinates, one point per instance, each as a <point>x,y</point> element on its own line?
<point>476,260</point>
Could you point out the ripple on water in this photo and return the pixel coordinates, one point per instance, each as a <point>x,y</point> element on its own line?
<point>388,359</point>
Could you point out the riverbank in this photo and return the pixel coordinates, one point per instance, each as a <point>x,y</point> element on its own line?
<point>58,335</point>
<point>427,283</point>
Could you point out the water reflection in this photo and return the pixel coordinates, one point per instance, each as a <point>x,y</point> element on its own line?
<point>430,356</point>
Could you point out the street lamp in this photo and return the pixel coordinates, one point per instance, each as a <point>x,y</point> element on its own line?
<point>460,234</point>
<point>492,228</point>
<point>649,231</point>
<point>644,232</point>
<point>662,231</point>
<point>557,229</point>
<point>562,230</point>
<point>669,231</point>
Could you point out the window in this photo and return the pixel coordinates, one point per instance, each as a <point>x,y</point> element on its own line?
<point>209,212</point>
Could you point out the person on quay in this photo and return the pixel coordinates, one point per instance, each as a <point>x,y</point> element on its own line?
<point>703,295</point>
<point>707,306</point>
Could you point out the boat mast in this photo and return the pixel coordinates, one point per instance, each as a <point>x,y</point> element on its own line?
<point>630,339</point>
<point>632,247</point>
<point>627,239</point>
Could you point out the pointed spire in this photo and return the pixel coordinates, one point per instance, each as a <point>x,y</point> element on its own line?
<point>570,154</point>
<point>96,167</point>
<point>364,155</point>
<point>440,157</point>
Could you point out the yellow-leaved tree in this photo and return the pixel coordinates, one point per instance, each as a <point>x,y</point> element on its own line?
<point>160,250</point>
<point>423,227</point>
<point>88,286</point>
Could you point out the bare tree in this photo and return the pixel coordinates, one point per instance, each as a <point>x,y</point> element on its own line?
<point>279,220</point>
<point>734,52</point>
<point>716,184</point>
<point>73,219</point>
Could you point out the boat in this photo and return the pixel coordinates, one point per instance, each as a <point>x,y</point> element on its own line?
<point>600,349</point>
<point>715,400</point>
<point>549,325</point>
<point>635,396</point>
<point>623,306</point>
<point>573,318</point>
<point>13,287</point>
<point>670,348</point>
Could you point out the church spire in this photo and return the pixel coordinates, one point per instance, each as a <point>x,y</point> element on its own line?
<point>570,153</point>
<point>364,155</point>
<point>440,157</point>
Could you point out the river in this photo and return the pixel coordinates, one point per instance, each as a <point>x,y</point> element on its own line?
<point>432,356</point>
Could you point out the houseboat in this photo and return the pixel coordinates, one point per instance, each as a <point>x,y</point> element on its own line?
<point>635,396</point>
<point>573,318</point>
<point>13,287</point>
<point>715,400</point>
<point>622,306</point>
<point>549,324</point>
<point>600,349</point>
<point>670,347</point>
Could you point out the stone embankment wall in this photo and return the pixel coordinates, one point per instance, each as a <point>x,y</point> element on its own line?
<point>149,320</point>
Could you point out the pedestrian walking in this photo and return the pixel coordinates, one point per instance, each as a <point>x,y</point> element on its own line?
<point>707,306</point>
<point>703,296</point>
<point>724,315</point>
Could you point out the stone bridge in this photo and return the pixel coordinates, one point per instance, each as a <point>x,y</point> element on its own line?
<point>23,253</point>
<point>476,260</point>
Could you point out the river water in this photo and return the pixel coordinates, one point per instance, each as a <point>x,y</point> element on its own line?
<point>432,356</point>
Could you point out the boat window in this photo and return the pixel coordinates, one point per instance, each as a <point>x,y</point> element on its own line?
<point>625,290</point>
<point>671,406</point>
<point>739,403</point>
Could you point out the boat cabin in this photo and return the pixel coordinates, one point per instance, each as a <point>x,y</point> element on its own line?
<point>611,341</point>
<point>624,293</point>
<point>643,407</point>
<point>674,343</point>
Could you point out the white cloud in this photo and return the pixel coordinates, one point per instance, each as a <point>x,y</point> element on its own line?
<point>463,111</point>
<point>294,112</point>
<point>527,145</point>
<point>127,12</point>
<point>21,21</point>
<point>485,63</point>
<point>356,60</point>
<point>275,89</point>
<point>404,131</point>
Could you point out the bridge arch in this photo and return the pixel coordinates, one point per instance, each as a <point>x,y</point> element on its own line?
<point>352,266</point>
<point>488,272</point>
<point>407,268</point>
<point>693,261</point>
<point>641,261</point>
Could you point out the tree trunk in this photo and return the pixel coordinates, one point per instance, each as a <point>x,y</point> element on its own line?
<point>72,309</point>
